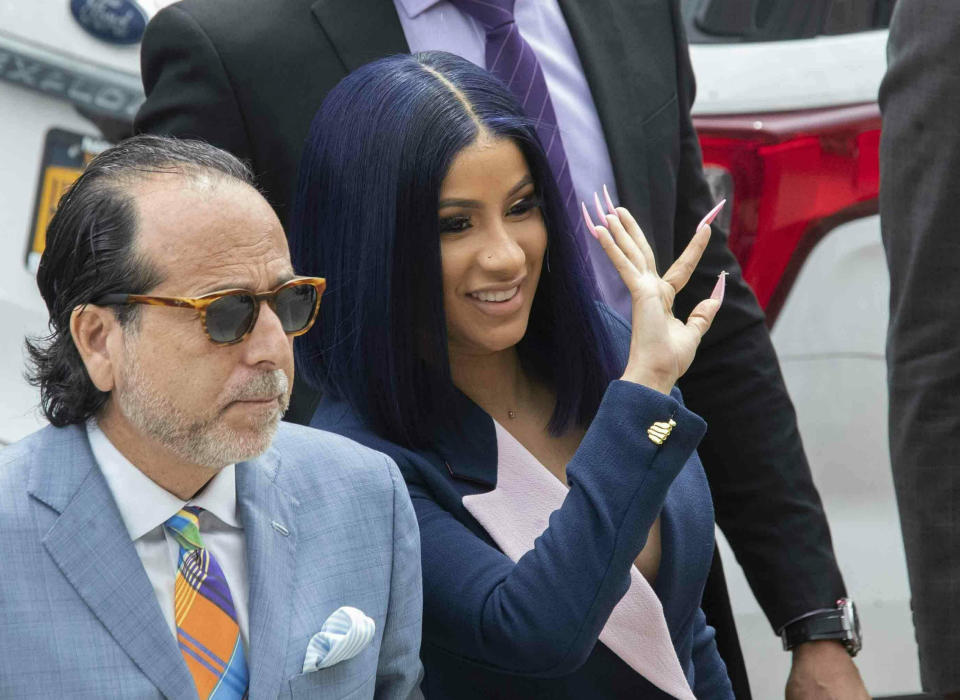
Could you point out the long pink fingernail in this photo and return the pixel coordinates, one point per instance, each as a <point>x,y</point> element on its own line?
<point>591,227</point>
<point>596,203</point>
<point>720,287</point>
<point>711,215</point>
<point>606,196</point>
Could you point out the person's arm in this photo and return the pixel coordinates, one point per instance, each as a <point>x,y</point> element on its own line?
<point>919,192</point>
<point>399,669</point>
<point>542,615</point>
<point>763,492</point>
<point>710,673</point>
<point>764,495</point>
<point>189,94</point>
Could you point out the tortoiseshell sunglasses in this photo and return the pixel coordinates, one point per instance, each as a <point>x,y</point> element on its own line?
<point>229,316</point>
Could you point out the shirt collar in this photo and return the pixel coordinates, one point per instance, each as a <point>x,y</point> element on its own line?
<point>416,7</point>
<point>219,497</point>
<point>144,504</point>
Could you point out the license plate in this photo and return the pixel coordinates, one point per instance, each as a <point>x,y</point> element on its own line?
<point>65,155</point>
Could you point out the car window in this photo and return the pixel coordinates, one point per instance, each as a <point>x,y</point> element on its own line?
<point>737,21</point>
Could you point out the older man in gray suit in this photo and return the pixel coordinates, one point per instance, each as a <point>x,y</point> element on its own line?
<point>919,197</point>
<point>163,537</point>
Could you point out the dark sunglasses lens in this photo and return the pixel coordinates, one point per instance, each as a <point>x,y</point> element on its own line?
<point>295,306</point>
<point>229,317</point>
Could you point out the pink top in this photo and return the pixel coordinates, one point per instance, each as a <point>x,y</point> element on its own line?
<point>518,510</point>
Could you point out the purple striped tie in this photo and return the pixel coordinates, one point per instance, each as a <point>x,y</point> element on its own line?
<point>511,58</point>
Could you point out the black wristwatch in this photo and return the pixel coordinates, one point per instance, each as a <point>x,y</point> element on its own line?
<point>840,623</point>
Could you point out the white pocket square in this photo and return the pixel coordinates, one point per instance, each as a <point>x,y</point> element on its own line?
<point>342,636</point>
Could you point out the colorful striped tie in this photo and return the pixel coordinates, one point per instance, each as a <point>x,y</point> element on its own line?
<point>207,629</point>
<point>511,58</point>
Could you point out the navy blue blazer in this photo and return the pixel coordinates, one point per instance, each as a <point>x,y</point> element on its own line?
<point>493,628</point>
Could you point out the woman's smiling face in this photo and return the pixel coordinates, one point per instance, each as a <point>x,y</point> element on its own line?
<point>492,243</point>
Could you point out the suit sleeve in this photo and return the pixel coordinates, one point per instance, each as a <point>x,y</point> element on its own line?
<point>765,500</point>
<point>919,191</point>
<point>541,616</point>
<point>189,94</point>
<point>399,670</point>
<point>710,679</point>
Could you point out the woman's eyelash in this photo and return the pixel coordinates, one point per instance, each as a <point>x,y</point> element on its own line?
<point>524,205</point>
<point>454,224</point>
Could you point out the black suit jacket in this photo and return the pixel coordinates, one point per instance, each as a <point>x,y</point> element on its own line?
<point>248,75</point>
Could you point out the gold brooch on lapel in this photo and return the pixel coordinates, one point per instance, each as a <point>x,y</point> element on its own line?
<point>660,431</point>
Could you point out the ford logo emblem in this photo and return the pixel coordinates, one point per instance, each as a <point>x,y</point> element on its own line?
<point>113,21</point>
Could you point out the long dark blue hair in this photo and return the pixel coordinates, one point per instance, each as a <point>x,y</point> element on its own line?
<point>365,217</point>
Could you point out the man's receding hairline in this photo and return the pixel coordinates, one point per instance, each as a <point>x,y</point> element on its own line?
<point>216,185</point>
<point>135,182</point>
<point>190,173</point>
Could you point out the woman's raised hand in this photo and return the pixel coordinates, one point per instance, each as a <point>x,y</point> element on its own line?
<point>661,346</point>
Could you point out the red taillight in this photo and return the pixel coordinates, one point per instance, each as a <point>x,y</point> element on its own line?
<point>794,175</point>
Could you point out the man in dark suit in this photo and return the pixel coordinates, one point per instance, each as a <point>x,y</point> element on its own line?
<point>249,76</point>
<point>919,192</point>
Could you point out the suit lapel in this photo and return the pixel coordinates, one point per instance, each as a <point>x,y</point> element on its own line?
<point>361,30</point>
<point>465,441</point>
<point>90,545</point>
<point>268,518</point>
<point>624,92</point>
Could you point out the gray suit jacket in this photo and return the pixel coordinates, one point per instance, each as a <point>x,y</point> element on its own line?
<point>919,196</point>
<point>326,521</point>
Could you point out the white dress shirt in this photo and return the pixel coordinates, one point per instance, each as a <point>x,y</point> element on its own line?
<point>145,506</point>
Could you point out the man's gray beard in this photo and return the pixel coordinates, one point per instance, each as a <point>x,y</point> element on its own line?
<point>210,442</point>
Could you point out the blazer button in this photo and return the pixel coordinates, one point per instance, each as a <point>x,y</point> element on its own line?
<point>660,431</point>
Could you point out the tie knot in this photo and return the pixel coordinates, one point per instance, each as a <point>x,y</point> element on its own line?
<point>185,527</point>
<point>489,13</point>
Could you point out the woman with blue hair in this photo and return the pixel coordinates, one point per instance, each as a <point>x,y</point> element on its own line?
<point>566,525</point>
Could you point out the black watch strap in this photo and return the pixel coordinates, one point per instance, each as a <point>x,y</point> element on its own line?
<point>840,624</point>
<point>825,624</point>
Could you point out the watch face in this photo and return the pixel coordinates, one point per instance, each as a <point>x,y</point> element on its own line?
<point>851,624</point>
